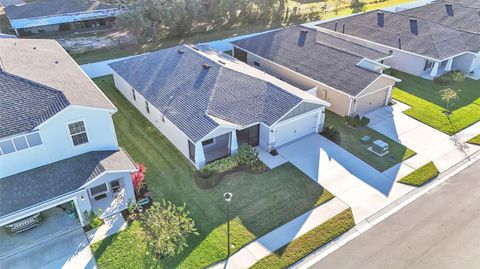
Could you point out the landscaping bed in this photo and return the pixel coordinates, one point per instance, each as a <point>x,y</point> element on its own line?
<point>421,176</point>
<point>260,203</point>
<point>309,242</point>
<point>428,107</point>
<point>350,139</point>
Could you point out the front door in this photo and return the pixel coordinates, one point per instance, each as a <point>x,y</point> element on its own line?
<point>249,136</point>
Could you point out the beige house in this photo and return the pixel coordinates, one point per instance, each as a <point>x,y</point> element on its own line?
<point>347,75</point>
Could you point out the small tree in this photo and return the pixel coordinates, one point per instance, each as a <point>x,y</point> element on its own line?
<point>167,228</point>
<point>138,177</point>
<point>448,96</point>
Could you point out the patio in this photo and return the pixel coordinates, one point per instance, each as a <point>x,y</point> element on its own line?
<point>56,222</point>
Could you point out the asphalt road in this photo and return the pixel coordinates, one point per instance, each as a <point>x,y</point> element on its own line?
<point>439,230</point>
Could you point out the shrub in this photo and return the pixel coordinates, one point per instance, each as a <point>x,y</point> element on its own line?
<point>247,155</point>
<point>167,228</point>
<point>332,133</point>
<point>138,178</point>
<point>219,166</point>
<point>356,121</point>
<point>458,76</point>
<point>93,219</point>
<point>206,172</point>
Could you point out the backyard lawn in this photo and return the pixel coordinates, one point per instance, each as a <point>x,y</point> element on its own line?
<point>427,106</point>
<point>350,141</point>
<point>260,202</point>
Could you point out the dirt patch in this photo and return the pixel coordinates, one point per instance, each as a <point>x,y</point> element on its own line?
<point>93,41</point>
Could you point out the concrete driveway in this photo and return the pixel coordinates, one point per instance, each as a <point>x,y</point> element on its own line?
<point>429,143</point>
<point>70,250</point>
<point>356,183</point>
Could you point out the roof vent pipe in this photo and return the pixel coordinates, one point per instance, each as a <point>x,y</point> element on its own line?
<point>399,42</point>
<point>302,37</point>
<point>206,66</point>
<point>380,18</point>
<point>414,26</point>
<point>449,8</point>
<point>336,24</point>
<point>181,51</point>
<point>343,28</point>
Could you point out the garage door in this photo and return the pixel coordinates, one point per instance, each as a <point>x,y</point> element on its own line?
<point>295,129</point>
<point>371,101</point>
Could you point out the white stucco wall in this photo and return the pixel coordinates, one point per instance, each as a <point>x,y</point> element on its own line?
<point>168,129</point>
<point>57,143</point>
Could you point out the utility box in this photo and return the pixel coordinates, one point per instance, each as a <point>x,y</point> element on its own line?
<point>380,147</point>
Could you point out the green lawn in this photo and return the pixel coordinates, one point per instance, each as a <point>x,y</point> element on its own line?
<point>307,243</point>
<point>475,140</point>
<point>216,34</point>
<point>350,140</point>
<point>427,106</point>
<point>260,202</point>
<point>421,176</point>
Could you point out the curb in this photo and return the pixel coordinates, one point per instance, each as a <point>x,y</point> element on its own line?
<point>384,213</point>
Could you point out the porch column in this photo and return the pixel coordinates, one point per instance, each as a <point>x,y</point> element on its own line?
<point>434,72</point>
<point>448,67</point>
<point>199,155</point>
<point>233,142</point>
<point>389,95</point>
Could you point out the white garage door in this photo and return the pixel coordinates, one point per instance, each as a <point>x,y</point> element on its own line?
<point>295,129</point>
<point>371,101</point>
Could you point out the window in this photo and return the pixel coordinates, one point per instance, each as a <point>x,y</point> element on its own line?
<point>99,190</point>
<point>428,65</point>
<point>191,150</point>
<point>115,185</point>
<point>20,143</point>
<point>7,146</point>
<point>78,133</point>
<point>133,94</point>
<point>34,139</point>
<point>147,107</point>
<point>208,142</point>
<point>257,64</point>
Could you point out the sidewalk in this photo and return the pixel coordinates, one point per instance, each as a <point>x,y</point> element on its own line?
<point>113,224</point>
<point>258,249</point>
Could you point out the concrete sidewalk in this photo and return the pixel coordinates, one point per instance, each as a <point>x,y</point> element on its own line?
<point>258,249</point>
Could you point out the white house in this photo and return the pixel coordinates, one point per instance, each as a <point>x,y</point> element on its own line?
<point>58,145</point>
<point>207,103</point>
<point>421,47</point>
<point>343,73</point>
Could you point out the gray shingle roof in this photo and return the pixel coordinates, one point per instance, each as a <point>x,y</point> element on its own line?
<point>25,104</point>
<point>463,17</point>
<point>186,93</point>
<point>468,3</point>
<point>433,39</point>
<point>50,181</point>
<point>324,61</point>
<point>53,7</point>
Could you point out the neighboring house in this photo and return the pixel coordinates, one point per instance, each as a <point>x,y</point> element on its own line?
<point>207,103</point>
<point>57,139</point>
<point>419,46</point>
<point>450,14</point>
<point>345,74</point>
<point>2,35</point>
<point>468,3</point>
<point>48,16</point>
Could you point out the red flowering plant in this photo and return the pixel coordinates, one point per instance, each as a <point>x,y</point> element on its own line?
<point>138,178</point>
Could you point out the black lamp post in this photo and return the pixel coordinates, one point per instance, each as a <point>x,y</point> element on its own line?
<point>228,198</point>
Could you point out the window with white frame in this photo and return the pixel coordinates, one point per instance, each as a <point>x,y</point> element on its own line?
<point>99,191</point>
<point>20,143</point>
<point>115,185</point>
<point>78,133</point>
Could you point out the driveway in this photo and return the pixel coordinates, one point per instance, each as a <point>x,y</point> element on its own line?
<point>69,250</point>
<point>429,143</point>
<point>356,183</point>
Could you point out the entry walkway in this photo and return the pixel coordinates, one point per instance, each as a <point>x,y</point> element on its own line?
<point>260,248</point>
